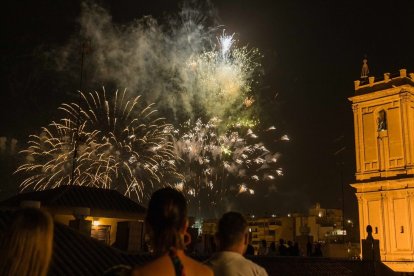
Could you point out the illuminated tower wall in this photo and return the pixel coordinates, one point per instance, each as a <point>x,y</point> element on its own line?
<point>384,147</point>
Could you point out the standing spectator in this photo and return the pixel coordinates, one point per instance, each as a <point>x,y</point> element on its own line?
<point>233,238</point>
<point>26,248</point>
<point>167,223</point>
<point>262,248</point>
<point>199,246</point>
<point>213,244</point>
<point>249,250</point>
<point>295,249</point>
<point>290,248</point>
<point>318,250</point>
<point>210,245</point>
<point>309,249</point>
<point>272,249</point>
<point>282,248</point>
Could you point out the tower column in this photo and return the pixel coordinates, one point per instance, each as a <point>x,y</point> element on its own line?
<point>405,100</point>
<point>386,221</point>
<point>355,110</point>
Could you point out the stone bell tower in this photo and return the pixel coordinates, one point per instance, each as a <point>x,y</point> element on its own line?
<point>384,147</point>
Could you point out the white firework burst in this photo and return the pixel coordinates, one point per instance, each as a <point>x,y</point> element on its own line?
<point>119,146</point>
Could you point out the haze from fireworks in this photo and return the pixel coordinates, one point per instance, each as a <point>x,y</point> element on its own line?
<point>184,66</point>
<point>120,146</point>
<point>193,73</point>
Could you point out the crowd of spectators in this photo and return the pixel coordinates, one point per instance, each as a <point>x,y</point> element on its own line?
<point>26,246</point>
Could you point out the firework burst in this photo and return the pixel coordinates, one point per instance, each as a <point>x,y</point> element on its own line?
<point>49,157</point>
<point>120,146</point>
<point>218,167</point>
<point>223,76</point>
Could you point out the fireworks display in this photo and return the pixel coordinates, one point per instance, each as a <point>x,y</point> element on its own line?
<point>218,167</point>
<point>119,146</point>
<point>223,76</point>
<point>194,74</point>
<point>49,157</point>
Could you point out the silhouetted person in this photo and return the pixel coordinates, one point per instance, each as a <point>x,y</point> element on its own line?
<point>146,247</point>
<point>371,254</point>
<point>167,223</point>
<point>309,249</point>
<point>272,249</point>
<point>369,233</point>
<point>249,250</point>
<point>282,248</point>
<point>318,250</point>
<point>199,246</point>
<point>262,248</point>
<point>289,248</point>
<point>26,248</point>
<point>295,249</point>
<point>213,245</point>
<point>233,237</point>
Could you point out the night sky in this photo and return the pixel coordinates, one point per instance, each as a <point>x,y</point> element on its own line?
<point>313,52</point>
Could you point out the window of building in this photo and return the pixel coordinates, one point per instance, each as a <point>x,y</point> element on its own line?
<point>101,233</point>
<point>382,121</point>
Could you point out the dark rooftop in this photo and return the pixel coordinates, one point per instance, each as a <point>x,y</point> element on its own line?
<point>76,254</point>
<point>78,196</point>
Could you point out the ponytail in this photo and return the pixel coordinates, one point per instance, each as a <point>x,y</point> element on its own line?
<point>166,218</point>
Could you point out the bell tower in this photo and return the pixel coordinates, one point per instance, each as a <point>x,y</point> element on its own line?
<point>384,149</point>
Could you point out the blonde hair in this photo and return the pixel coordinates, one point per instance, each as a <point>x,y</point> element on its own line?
<point>26,248</point>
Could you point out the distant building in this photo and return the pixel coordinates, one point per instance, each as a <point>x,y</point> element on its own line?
<point>271,229</point>
<point>209,227</point>
<point>318,225</point>
<point>325,226</point>
<point>8,146</point>
<point>103,214</point>
<point>384,147</point>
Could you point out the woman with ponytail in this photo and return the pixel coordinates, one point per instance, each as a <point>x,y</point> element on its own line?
<point>167,224</point>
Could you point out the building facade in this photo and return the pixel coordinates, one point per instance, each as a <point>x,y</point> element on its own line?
<point>103,214</point>
<point>321,224</point>
<point>271,229</point>
<point>384,144</point>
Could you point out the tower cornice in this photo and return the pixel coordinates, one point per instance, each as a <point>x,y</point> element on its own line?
<point>405,89</point>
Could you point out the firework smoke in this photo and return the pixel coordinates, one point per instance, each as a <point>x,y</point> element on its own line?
<point>182,65</point>
<point>189,70</point>
<point>120,146</point>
